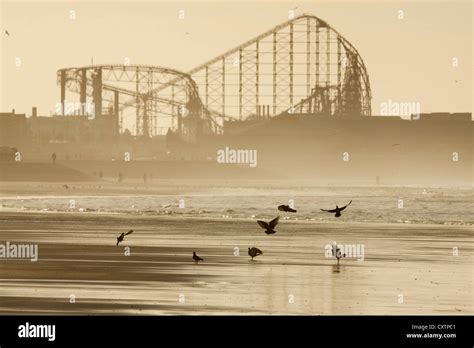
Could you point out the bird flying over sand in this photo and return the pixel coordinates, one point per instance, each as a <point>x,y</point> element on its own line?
<point>337,210</point>
<point>122,236</point>
<point>6,32</point>
<point>269,227</point>
<point>286,208</point>
<point>254,252</point>
<point>196,258</point>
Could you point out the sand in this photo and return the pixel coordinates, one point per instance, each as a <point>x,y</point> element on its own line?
<point>407,269</point>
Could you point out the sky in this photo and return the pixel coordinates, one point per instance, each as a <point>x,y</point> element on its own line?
<point>408,60</point>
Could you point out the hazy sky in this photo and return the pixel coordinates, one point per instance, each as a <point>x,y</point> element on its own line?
<point>407,60</point>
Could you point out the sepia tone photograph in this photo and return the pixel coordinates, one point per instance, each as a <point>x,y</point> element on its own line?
<point>236,158</point>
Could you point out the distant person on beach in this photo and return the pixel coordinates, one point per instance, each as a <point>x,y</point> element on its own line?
<point>53,156</point>
<point>120,177</point>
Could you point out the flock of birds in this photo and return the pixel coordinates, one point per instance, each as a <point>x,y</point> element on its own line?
<point>269,228</point>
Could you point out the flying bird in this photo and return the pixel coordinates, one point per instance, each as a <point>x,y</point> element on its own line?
<point>286,208</point>
<point>269,227</point>
<point>337,210</point>
<point>6,32</point>
<point>122,236</point>
<point>254,252</point>
<point>196,258</point>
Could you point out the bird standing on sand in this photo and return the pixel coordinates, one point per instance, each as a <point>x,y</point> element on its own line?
<point>338,210</point>
<point>254,252</point>
<point>269,227</point>
<point>196,258</point>
<point>286,208</point>
<point>122,236</point>
<point>337,253</point>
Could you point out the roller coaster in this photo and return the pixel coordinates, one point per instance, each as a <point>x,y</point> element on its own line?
<point>302,65</point>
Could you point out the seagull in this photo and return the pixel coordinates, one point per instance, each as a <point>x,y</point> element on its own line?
<point>337,253</point>
<point>254,252</point>
<point>122,236</point>
<point>269,227</point>
<point>196,258</point>
<point>286,208</point>
<point>6,32</point>
<point>338,210</point>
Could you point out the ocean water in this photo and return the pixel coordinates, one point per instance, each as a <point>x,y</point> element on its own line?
<point>407,205</point>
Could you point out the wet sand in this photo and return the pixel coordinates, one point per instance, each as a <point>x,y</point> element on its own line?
<point>78,256</point>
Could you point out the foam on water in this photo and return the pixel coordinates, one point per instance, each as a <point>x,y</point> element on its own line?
<point>370,204</point>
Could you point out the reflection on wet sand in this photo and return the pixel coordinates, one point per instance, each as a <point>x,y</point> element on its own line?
<point>78,259</point>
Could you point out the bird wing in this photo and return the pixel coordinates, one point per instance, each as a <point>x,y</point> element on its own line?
<point>258,251</point>
<point>344,207</point>
<point>274,222</point>
<point>330,211</point>
<point>129,232</point>
<point>263,224</point>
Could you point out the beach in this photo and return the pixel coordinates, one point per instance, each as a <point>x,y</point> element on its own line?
<point>406,268</point>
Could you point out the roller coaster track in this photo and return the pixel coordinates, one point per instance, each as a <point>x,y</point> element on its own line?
<point>317,47</point>
<point>301,64</point>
